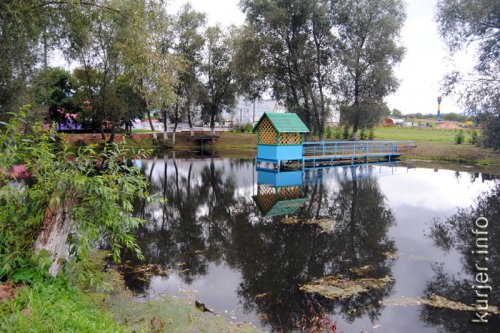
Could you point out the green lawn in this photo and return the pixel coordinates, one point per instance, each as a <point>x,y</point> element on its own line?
<point>418,134</point>
<point>143,130</point>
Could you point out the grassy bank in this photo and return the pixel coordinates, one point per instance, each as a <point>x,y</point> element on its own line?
<point>56,306</point>
<point>418,134</point>
<point>101,303</point>
<point>436,145</point>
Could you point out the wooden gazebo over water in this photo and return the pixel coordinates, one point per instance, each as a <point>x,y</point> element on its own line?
<point>279,137</point>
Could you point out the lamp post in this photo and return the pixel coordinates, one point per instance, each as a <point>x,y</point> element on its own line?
<point>439,108</point>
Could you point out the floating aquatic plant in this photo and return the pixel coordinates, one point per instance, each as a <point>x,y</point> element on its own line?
<point>437,302</point>
<point>334,287</point>
<point>361,271</point>
<point>325,224</point>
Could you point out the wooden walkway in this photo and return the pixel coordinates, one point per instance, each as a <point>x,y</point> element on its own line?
<point>328,153</point>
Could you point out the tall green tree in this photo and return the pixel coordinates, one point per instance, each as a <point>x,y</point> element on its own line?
<point>218,88</point>
<point>148,60</point>
<point>23,28</point>
<point>54,92</point>
<point>96,36</point>
<point>366,37</point>
<point>29,31</point>
<point>464,23</point>
<point>248,63</point>
<point>457,233</point>
<point>298,49</point>
<point>188,47</point>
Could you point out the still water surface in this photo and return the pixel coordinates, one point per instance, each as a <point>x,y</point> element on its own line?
<point>242,242</point>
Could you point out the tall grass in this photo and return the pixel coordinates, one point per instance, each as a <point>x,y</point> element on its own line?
<point>416,134</point>
<point>55,306</point>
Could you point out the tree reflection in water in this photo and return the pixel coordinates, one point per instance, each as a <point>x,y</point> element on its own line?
<point>456,232</point>
<point>206,220</point>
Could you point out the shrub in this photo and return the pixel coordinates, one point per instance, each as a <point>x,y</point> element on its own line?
<point>474,138</point>
<point>314,132</point>
<point>362,134</point>
<point>490,130</point>
<point>338,132</point>
<point>460,137</point>
<point>345,134</point>
<point>371,134</point>
<point>246,128</point>
<point>95,178</point>
<point>329,132</point>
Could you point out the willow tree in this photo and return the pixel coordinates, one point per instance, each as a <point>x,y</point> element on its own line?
<point>85,31</point>
<point>298,47</point>
<point>248,63</point>
<point>217,93</point>
<point>366,38</point>
<point>188,47</point>
<point>467,23</point>
<point>91,37</point>
<point>147,59</point>
<point>81,198</point>
<point>28,30</point>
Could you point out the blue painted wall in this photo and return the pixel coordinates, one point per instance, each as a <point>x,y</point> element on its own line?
<point>281,153</point>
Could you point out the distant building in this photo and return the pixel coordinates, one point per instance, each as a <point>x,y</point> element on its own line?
<point>393,122</point>
<point>243,112</point>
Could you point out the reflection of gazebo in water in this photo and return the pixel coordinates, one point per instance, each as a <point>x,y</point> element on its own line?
<point>279,193</point>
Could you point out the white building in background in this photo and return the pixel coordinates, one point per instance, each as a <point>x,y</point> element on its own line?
<point>241,115</point>
<point>243,112</point>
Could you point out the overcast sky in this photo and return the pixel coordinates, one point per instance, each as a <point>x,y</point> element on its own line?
<point>425,63</point>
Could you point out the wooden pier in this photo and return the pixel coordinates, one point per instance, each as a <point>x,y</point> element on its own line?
<point>328,153</point>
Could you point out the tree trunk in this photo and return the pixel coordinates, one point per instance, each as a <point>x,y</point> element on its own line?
<point>253,111</point>
<point>355,130</point>
<point>155,138</point>
<point>356,103</point>
<point>176,122</point>
<point>45,51</point>
<point>101,129</point>
<point>165,126</point>
<point>112,137</point>
<point>165,178</point>
<point>189,121</point>
<point>56,226</point>
<point>212,124</point>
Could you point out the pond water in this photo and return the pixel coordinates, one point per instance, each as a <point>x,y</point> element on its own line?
<point>243,241</point>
